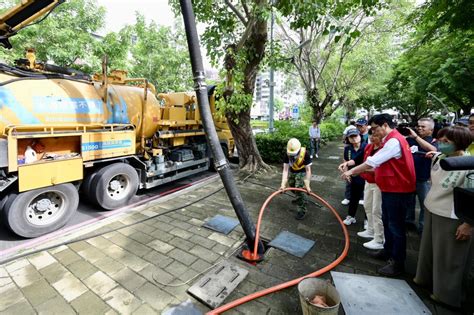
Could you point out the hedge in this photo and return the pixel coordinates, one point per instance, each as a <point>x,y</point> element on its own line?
<point>272,146</point>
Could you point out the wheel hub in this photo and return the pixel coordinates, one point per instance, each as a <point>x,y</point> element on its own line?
<point>43,205</point>
<point>115,185</point>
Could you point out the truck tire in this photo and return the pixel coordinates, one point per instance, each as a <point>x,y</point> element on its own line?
<point>40,211</point>
<point>86,188</point>
<point>114,185</point>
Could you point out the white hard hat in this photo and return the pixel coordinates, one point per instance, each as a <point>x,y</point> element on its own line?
<point>293,146</point>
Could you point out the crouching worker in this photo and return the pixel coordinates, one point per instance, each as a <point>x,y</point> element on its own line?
<point>297,173</point>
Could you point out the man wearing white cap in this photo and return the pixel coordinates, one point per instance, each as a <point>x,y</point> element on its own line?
<point>297,173</point>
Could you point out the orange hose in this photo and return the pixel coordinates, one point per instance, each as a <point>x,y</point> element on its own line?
<point>293,282</point>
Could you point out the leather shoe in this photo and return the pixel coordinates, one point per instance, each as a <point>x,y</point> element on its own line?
<point>392,269</point>
<point>379,255</point>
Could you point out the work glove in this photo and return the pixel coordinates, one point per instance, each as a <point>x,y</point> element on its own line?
<point>284,183</point>
<point>307,185</point>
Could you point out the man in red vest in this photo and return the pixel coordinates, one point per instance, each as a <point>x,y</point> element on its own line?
<point>395,176</point>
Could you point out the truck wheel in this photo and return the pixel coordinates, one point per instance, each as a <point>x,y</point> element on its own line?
<point>40,211</point>
<point>86,187</point>
<point>114,185</point>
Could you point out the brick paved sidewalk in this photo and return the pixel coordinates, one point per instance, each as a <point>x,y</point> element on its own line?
<point>146,267</point>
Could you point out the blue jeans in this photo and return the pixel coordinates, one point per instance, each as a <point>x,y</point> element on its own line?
<point>394,206</point>
<point>422,188</point>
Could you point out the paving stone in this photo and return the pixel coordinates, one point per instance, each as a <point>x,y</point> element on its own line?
<point>67,257</point>
<point>56,305</point>
<point>182,256</point>
<point>196,222</point>
<point>165,218</point>
<point>180,243</point>
<point>141,237</point>
<point>41,260</point>
<point>91,254</point>
<point>25,276</point>
<point>5,280</point>
<point>160,246</point>
<point>54,272</point>
<point>145,227</point>
<point>17,264</point>
<point>22,307</point>
<point>155,297</point>
<point>133,262</point>
<point>39,292</point>
<point>158,259</point>
<point>204,253</point>
<point>222,239</point>
<point>181,224</point>
<point>79,246</point>
<point>163,226</point>
<point>127,230</point>
<point>89,303</point>
<point>203,241</point>
<point>176,268</point>
<point>220,249</point>
<point>161,235</point>
<point>200,231</point>
<point>188,275</point>
<point>58,249</point>
<point>200,265</point>
<point>70,287</point>
<point>100,242</point>
<point>128,279</point>
<point>82,269</point>
<point>10,295</point>
<point>157,275</point>
<point>109,265</point>
<point>144,309</point>
<point>122,301</point>
<point>100,283</point>
<point>115,251</point>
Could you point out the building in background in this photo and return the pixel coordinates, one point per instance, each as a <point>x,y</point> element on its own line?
<point>261,99</point>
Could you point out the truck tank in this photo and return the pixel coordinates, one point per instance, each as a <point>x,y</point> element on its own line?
<point>36,101</point>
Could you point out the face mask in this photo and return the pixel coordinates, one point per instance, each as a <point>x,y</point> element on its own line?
<point>446,148</point>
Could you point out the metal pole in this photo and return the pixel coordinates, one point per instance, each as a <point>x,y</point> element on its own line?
<point>220,162</point>
<point>272,84</point>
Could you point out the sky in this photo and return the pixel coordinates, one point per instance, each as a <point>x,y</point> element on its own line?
<point>122,12</point>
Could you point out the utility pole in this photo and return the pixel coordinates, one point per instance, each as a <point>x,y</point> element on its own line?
<point>272,84</point>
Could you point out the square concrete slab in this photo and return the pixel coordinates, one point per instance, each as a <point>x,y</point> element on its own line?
<point>376,295</point>
<point>292,244</point>
<point>318,178</point>
<point>185,308</point>
<point>221,224</point>
<point>218,283</point>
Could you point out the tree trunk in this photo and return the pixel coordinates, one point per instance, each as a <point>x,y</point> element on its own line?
<point>249,156</point>
<point>312,97</point>
<point>254,47</point>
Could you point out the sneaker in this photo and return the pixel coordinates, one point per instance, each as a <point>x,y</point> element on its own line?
<point>300,215</point>
<point>311,156</point>
<point>373,245</point>
<point>349,220</point>
<point>345,202</point>
<point>361,202</point>
<point>392,269</point>
<point>366,224</point>
<point>316,156</point>
<point>365,234</point>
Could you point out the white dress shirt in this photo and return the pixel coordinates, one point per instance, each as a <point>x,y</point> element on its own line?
<point>390,150</point>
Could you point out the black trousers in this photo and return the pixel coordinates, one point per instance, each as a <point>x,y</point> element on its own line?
<point>357,190</point>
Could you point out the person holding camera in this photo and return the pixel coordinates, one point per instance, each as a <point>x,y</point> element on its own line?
<point>395,176</point>
<point>446,240</point>
<point>420,143</point>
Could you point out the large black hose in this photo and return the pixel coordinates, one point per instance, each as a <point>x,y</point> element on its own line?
<point>220,162</point>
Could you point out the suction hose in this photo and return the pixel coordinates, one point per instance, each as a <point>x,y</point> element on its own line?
<point>293,282</point>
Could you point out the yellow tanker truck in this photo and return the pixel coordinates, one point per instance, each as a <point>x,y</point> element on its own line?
<point>107,135</point>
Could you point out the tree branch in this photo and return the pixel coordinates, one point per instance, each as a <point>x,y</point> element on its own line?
<point>234,9</point>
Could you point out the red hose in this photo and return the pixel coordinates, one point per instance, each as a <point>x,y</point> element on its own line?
<point>293,282</point>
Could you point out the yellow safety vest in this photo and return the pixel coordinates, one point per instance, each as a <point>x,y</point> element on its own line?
<point>299,163</point>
